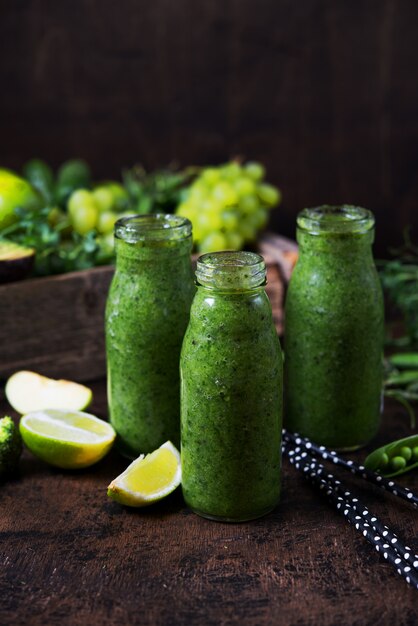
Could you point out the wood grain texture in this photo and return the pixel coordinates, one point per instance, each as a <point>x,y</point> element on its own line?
<point>69,556</point>
<point>323,92</point>
<point>55,325</point>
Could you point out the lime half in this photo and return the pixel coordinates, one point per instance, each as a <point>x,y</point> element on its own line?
<point>148,479</point>
<point>68,439</point>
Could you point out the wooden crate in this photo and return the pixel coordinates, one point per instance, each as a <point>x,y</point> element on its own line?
<point>54,325</point>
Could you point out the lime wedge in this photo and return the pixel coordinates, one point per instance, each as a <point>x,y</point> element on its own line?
<point>148,479</point>
<point>68,439</point>
<point>28,391</point>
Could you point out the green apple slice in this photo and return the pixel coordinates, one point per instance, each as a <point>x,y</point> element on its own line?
<point>28,391</point>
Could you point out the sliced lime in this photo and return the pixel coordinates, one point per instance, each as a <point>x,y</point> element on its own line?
<point>68,439</point>
<point>148,479</point>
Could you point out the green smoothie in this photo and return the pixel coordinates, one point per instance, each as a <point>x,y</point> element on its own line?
<point>147,314</point>
<point>231,392</point>
<point>334,330</point>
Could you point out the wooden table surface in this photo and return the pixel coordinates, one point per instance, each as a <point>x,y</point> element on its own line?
<point>69,555</point>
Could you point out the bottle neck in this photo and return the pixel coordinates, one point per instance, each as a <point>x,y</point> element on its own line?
<point>231,272</point>
<point>331,244</point>
<point>151,238</point>
<point>335,231</point>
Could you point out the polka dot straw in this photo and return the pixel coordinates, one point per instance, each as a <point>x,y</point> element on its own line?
<point>358,470</point>
<point>374,531</point>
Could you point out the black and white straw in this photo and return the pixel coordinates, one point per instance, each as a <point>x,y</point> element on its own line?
<point>358,470</point>
<point>356,513</point>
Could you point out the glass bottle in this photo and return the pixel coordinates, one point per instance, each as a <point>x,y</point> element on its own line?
<point>334,330</point>
<point>231,392</point>
<point>147,314</point>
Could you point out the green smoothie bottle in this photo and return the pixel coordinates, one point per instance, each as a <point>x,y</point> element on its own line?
<point>147,313</point>
<point>334,330</point>
<point>231,392</point>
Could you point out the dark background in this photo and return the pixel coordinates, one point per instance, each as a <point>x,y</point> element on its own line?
<point>324,92</point>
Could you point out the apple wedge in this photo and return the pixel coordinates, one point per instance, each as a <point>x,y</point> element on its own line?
<point>28,391</point>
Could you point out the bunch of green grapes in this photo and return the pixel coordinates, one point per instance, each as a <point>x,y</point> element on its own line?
<point>228,205</point>
<point>97,210</point>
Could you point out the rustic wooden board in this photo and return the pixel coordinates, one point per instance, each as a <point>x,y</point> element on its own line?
<point>69,556</point>
<point>54,325</point>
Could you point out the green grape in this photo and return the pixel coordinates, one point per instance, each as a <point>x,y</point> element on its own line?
<point>225,193</point>
<point>268,194</point>
<point>104,198</point>
<point>60,220</point>
<point>84,218</point>
<point>201,226</point>
<point>79,199</point>
<point>249,204</point>
<point>254,170</point>
<point>187,209</point>
<point>120,195</point>
<point>198,194</point>
<point>228,205</point>
<point>230,220</point>
<point>247,231</point>
<point>106,251</point>
<point>244,186</point>
<point>211,176</point>
<point>212,209</point>
<point>106,222</point>
<point>234,241</point>
<point>230,171</point>
<point>213,243</point>
<point>259,218</point>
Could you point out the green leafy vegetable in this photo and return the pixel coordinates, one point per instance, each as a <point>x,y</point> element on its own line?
<point>41,177</point>
<point>56,250</point>
<point>399,278</point>
<point>402,384</point>
<point>156,192</point>
<point>72,175</point>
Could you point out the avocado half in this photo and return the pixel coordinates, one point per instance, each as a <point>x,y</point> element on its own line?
<point>15,261</point>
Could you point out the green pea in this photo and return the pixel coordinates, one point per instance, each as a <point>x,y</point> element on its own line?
<point>396,457</point>
<point>384,460</point>
<point>397,463</point>
<point>406,453</point>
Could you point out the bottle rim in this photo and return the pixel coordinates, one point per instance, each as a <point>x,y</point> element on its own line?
<point>335,219</point>
<point>153,227</point>
<point>231,270</point>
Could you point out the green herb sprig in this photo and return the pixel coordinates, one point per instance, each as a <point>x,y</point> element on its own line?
<point>159,191</point>
<point>56,250</point>
<point>401,381</point>
<point>399,278</point>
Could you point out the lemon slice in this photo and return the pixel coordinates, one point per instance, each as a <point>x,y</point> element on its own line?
<point>28,391</point>
<point>68,439</point>
<point>148,479</point>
